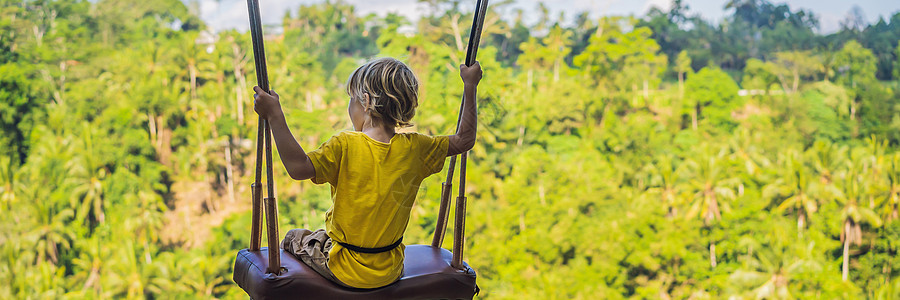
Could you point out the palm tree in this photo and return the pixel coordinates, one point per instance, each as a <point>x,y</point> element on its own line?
<point>207,273</point>
<point>854,188</point>
<point>666,183</point>
<point>9,183</point>
<point>197,60</point>
<point>89,267</point>
<point>877,164</point>
<point>712,186</point>
<point>828,160</point>
<point>88,176</point>
<point>772,264</point>
<point>52,232</point>
<point>892,201</point>
<point>168,276</point>
<point>124,276</point>
<point>750,156</point>
<point>558,45</point>
<point>148,220</point>
<point>158,92</point>
<point>801,193</point>
<point>532,60</point>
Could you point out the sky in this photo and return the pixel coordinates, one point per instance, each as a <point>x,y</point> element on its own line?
<point>228,14</point>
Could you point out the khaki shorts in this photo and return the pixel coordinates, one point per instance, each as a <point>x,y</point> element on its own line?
<point>311,247</point>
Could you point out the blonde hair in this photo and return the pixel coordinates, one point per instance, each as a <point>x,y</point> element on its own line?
<point>392,87</point>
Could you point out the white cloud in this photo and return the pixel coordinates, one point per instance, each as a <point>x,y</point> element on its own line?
<point>829,23</point>
<point>228,14</point>
<point>663,5</point>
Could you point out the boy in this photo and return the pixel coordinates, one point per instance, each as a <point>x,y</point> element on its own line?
<point>374,172</point>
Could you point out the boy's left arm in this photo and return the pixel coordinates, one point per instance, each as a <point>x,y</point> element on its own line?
<point>464,139</point>
<point>295,160</point>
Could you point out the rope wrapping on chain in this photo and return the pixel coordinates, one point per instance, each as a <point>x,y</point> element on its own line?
<point>263,142</point>
<point>447,186</point>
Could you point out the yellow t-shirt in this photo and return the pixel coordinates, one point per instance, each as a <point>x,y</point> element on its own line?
<point>373,187</point>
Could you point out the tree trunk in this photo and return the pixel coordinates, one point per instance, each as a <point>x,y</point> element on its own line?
<point>713,210</point>
<point>541,194</point>
<point>846,267</point>
<point>164,141</point>
<point>796,81</point>
<point>151,123</point>
<point>521,139</point>
<point>238,106</point>
<point>530,78</point>
<point>694,117</point>
<point>646,90</point>
<point>454,24</point>
<point>634,95</point>
<point>59,91</point>
<point>603,116</point>
<point>38,35</point>
<point>159,138</point>
<point>309,101</point>
<point>522,221</point>
<point>241,80</point>
<point>192,70</point>
<point>556,70</point>
<point>229,171</point>
<point>712,254</point>
<point>673,210</point>
<point>210,203</point>
<point>784,84</point>
<point>853,118</point>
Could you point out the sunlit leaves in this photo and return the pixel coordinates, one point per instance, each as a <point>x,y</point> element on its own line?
<point>593,177</point>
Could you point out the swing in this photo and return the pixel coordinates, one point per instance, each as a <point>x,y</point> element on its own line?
<point>429,271</point>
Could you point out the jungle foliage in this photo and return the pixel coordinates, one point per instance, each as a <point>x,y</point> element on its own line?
<point>660,156</point>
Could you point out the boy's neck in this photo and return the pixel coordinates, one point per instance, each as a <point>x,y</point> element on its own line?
<point>379,133</point>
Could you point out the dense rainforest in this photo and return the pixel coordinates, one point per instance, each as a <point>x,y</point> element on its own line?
<point>659,156</point>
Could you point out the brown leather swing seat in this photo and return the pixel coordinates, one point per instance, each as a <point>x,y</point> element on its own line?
<point>427,274</point>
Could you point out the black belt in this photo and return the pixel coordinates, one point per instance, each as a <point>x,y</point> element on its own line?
<point>370,250</point>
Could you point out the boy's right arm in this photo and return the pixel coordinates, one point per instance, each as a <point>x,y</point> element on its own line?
<point>464,139</point>
<point>295,160</point>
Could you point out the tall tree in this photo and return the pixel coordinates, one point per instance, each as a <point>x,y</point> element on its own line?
<point>711,94</point>
<point>23,105</point>
<point>760,75</point>
<point>800,191</point>
<point>855,68</point>
<point>796,65</point>
<point>854,65</point>
<point>854,190</point>
<point>712,187</point>
<point>682,67</point>
<point>897,61</point>
<point>891,207</point>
